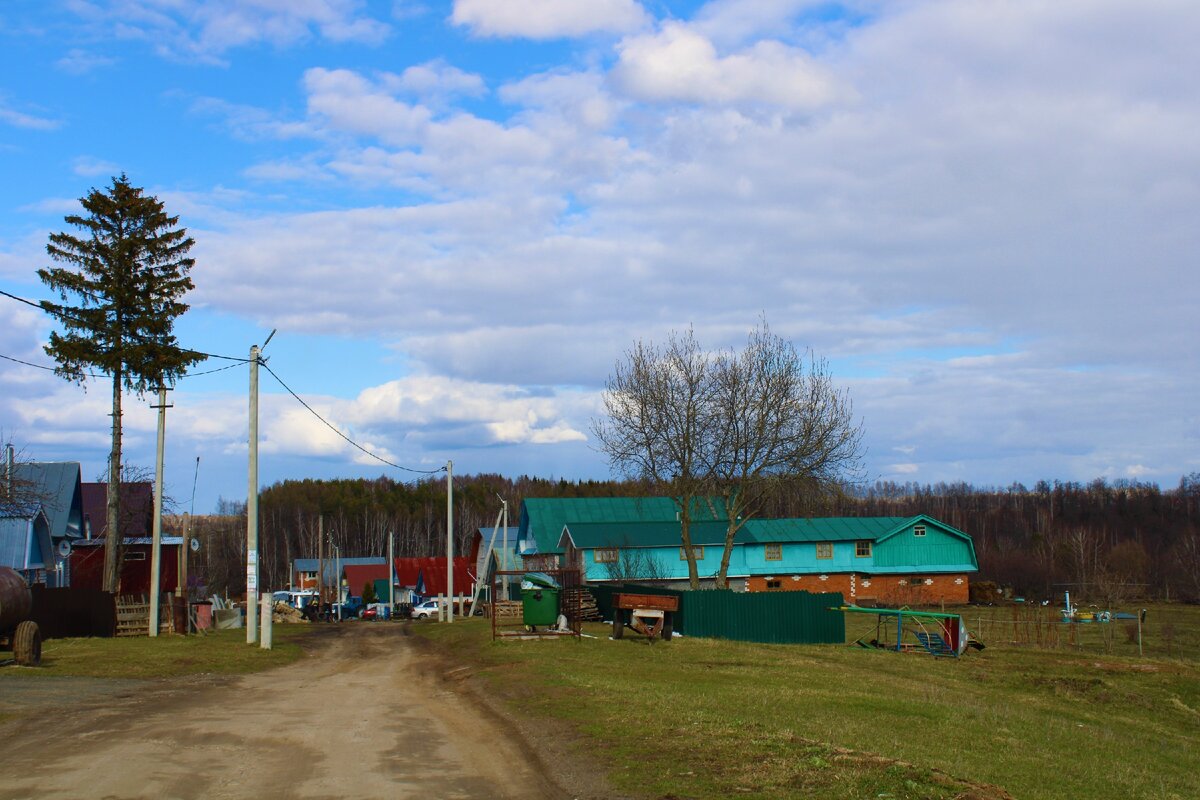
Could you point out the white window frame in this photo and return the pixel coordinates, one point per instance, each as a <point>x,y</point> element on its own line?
<point>828,545</point>
<point>697,549</point>
<point>606,555</point>
<point>919,530</point>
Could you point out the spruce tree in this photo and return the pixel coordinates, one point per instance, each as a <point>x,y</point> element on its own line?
<point>124,275</point>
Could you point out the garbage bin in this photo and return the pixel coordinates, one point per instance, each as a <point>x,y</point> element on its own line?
<point>539,599</point>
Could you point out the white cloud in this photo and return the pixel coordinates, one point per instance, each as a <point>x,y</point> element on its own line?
<point>81,62</point>
<point>548,19</point>
<point>679,64</point>
<point>88,166</point>
<point>21,119</point>
<point>436,79</point>
<point>206,29</point>
<point>988,226</point>
<point>353,104</point>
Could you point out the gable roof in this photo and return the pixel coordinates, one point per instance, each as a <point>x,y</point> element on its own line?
<point>137,508</point>
<point>428,575</point>
<point>543,518</point>
<point>358,575</point>
<point>823,529</point>
<point>25,541</point>
<point>908,522</point>
<point>60,493</point>
<point>310,565</point>
<point>590,535</point>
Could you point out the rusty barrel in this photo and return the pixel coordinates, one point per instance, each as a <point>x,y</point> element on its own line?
<point>16,601</point>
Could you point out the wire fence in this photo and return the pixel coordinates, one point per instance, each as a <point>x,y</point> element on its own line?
<point>1155,631</point>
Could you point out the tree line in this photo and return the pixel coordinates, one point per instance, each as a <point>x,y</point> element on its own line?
<point>1102,540</point>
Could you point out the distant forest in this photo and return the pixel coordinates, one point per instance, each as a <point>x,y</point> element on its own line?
<point>1105,541</point>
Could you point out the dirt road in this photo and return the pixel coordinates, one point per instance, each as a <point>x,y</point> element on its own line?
<point>357,720</point>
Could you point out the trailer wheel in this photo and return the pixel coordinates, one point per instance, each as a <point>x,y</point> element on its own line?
<point>618,623</point>
<point>27,644</point>
<point>668,627</point>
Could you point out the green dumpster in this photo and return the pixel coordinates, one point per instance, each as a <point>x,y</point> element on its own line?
<point>539,599</point>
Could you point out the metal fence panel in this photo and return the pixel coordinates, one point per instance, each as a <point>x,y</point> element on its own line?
<point>771,617</point>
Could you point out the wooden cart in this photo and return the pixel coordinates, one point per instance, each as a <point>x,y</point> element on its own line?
<point>651,615</point>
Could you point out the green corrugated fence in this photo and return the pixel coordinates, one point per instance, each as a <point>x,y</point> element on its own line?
<point>770,617</point>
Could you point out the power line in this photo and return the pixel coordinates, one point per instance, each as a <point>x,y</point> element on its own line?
<point>56,312</point>
<point>43,366</point>
<point>334,428</point>
<point>237,361</point>
<point>94,375</point>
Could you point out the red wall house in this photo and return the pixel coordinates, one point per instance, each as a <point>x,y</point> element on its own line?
<point>87,565</point>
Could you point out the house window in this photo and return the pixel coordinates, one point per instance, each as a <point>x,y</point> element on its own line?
<point>919,530</point>
<point>698,550</point>
<point>135,556</point>
<point>862,548</point>
<point>774,584</point>
<point>824,549</point>
<point>606,555</point>
<point>773,552</point>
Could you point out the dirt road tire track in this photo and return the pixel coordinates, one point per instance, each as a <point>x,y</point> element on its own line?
<point>356,719</point>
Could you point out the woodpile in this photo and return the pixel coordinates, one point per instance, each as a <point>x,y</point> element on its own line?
<point>588,612</point>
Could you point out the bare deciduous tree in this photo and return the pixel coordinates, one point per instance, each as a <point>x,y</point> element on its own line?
<point>779,420</point>
<point>658,401</point>
<point>737,425</point>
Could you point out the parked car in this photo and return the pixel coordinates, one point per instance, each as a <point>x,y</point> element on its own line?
<point>429,608</point>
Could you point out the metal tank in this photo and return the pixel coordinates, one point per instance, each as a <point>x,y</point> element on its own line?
<point>17,631</point>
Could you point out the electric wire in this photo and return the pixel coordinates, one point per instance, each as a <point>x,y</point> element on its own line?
<point>43,366</point>
<point>54,312</point>
<point>334,428</point>
<point>237,361</point>
<point>95,375</point>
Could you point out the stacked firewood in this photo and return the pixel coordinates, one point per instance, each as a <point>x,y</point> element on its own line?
<point>588,612</point>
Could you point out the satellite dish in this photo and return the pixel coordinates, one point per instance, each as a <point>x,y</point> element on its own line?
<point>64,548</point>
<point>194,545</point>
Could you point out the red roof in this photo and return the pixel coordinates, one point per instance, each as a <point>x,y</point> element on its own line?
<point>137,508</point>
<point>433,570</point>
<point>359,575</point>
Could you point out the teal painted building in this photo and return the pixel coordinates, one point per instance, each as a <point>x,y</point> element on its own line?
<point>902,559</point>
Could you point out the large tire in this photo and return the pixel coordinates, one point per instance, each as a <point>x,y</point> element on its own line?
<point>27,644</point>
<point>668,626</point>
<point>618,623</point>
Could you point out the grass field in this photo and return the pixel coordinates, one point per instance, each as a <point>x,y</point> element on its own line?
<point>714,719</point>
<point>223,652</point>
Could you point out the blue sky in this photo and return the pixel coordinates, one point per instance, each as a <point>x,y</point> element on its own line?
<point>459,214</point>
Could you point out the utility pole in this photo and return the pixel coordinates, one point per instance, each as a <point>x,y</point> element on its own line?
<point>504,545</point>
<point>320,564</point>
<point>391,573</point>
<point>156,536</point>
<point>252,507</point>
<point>337,579</point>
<point>450,537</point>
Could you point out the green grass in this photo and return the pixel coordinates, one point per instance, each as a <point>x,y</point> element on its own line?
<point>713,719</point>
<point>223,652</point>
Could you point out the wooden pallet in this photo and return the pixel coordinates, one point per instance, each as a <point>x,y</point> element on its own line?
<point>133,617</point>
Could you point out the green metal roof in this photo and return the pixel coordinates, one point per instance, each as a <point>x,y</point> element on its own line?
<point>823,529</point>
<point>546,516</point>
<point>590,535</point>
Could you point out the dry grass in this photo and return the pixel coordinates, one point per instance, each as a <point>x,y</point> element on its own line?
<point>709,719</point>
<point>222,652</point>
